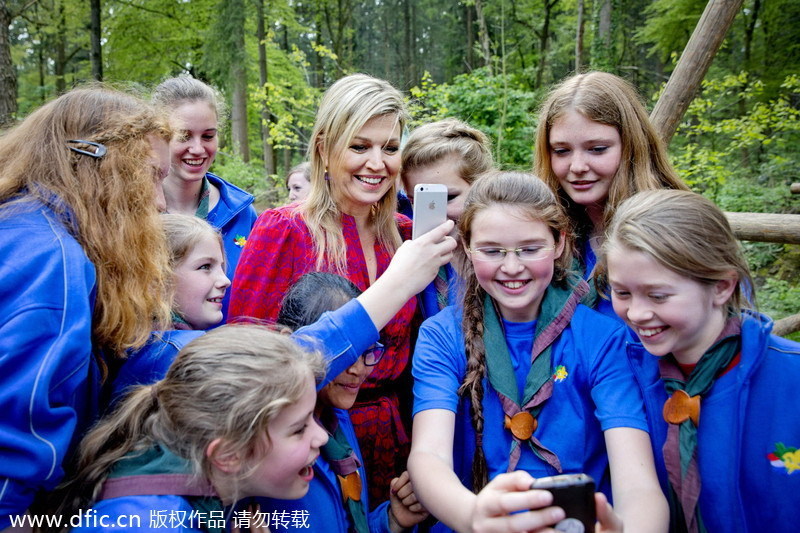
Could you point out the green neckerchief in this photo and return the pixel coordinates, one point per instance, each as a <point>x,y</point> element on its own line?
<point>556,310</point>
<point>178,322</point>
<point>202,205</point>
<point>680,448</point>
<point>157,461</point>
<point>441,283</point>
<point>342,460</point>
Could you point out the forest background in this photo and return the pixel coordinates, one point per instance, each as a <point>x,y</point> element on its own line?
<point>488,62</point>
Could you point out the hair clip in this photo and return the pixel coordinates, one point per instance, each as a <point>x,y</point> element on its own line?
<point>97,154</point>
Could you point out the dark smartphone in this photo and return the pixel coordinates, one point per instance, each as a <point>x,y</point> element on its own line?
<point>575,494</point>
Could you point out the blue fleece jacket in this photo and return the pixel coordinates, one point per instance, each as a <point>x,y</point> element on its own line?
<point>748,437</point>
<point>49,377</point>
<point>234,216</point>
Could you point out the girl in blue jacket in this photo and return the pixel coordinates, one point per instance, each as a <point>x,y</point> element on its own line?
<point>84,268</point>
<point>190,188</point>
<point>337,498</point>
<point>718,386</point>
<point>521,376</point>
<point>199,285</point>
<point>234,417</point>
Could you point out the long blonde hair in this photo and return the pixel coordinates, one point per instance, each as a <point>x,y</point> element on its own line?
<point>228,384</point>
<point>537,201</point>
<point>107,204</point>
<point>346,106</point>
<point>686,233</point>
<point>610,100</point>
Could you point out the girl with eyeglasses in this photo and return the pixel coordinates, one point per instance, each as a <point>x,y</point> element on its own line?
<point>337,499</point>
<point>521,376</point>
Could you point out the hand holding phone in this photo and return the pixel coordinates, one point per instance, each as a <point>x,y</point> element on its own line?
<point>430,207</point>
<point>575,494</point>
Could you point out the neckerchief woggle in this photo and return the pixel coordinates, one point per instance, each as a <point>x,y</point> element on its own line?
<point>343,461</point>
<point>556,310</point>
<point>682,412</point>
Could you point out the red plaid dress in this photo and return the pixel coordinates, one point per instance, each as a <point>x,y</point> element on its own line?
<point>279,250</point>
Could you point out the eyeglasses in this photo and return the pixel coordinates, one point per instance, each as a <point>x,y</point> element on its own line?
<point>100,149</point>
<point>494,254</point>
<point>373,354</point>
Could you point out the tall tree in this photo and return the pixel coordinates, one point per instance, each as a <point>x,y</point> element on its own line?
<point>96,38</point>
<point>263,71</point>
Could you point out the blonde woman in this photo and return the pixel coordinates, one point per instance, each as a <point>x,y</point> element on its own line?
<point>347,225</point>
<point>85,272</point>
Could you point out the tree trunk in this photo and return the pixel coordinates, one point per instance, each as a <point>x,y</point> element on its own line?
<point>579,39</point>
<point>8,74</point>
<point>59,68</point>
<point>483,33</point>
<point>693,65</point>
<point>765,227</point>
<point>238,72</point>
<point>263,70</point>
<point>96,54</point>
<point>470,31</point>
<point>544,39</point>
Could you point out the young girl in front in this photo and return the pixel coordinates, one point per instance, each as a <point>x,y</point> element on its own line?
<point>520,376</point>
<point>717,384</point>
<point>199,285</point>
<point>595,147</point>
<point>338,498</point>
<point>451,153</point>
<point>234,417</point>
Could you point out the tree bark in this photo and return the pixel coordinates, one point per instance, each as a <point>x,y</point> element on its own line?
<point>263,70</point>
<point>483,34</point>
<point>785,326</point>
<point>693,65</point>
<point>8,74</point>
<point>544,40</point>
<point>579,39</point>
<point>238,72</point>
<point>96,53</point>
<point>765,227</point>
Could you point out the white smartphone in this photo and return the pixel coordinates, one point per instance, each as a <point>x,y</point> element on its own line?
<point>430,207</point>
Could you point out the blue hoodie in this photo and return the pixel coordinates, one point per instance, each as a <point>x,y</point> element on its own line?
<point>748,437</point>
<point>234,216</point>
<point>50,388</point>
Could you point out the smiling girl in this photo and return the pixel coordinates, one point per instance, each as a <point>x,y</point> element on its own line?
<point>521,376</point>
<point>595,147</point>
<point>348,225</point>
<point>232,418</point>
<point>716,391</point>
<point>338,500</point>
<point>195,110</point>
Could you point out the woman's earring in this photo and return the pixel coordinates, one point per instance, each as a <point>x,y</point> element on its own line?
<point>327,178</point>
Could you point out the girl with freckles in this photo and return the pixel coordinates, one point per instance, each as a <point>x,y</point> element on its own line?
<point>348,225</point>
<point>595,147</point>
<point>717,383</point>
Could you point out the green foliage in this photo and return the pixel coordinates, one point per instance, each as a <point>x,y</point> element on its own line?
<point>504,111</point>
<point>730,132</point>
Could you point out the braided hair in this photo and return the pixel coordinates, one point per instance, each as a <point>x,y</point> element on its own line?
<point>534,198</point>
